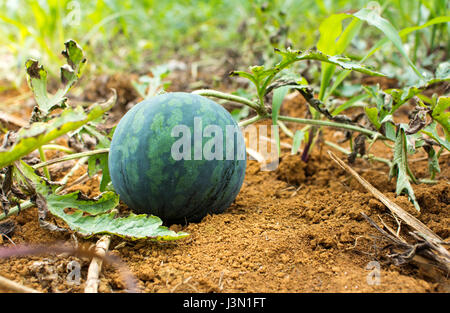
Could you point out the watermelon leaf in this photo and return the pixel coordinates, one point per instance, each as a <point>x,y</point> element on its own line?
<point>102,204</point>
<point>95,216</point>
<point>133,226</point>
<point>400,168</point>
<point>431,131</point>
<point>70,73</point>
<point>39,133</point>
<point>441,114</point>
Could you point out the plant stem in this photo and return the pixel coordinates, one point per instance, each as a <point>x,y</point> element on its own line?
<point>43,159</point>
<point>332,124</point>
<point>57,147</point>
<point>226,96</point>
<point>71,157</point>
<point>23,206</point>
<point>286,130</point>
<point>251,120</point>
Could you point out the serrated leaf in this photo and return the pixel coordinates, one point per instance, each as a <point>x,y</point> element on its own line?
<point>106,202</point>
<point>39,133</point>
<point>400,168</point>
<point>37,78</point>
<point>433,161</point>
<point>290,56</point>
<point>132,227</point>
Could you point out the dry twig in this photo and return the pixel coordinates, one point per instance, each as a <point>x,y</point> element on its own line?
<point>15,287</point>
<point>429,246</point>
<point>95,267</point>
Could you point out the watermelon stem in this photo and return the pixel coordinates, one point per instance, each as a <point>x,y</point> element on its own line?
<point>71,157</point>
<point>263,114</point>
<point>221,95</point>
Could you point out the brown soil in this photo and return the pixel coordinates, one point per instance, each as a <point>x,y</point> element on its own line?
<point>296,229</point>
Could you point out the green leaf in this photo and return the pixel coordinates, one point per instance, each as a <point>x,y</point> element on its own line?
<point>37,79</point>
<point>99,162</point>
<point>330,29</point>
<point>371,17</point>
<point>431,131</point>
<point>106,202</point>
<point>39,133</point>
<point>433,162</point>
<point>91,216</point>
<point>347,64</point>
<point>400,168</point>
<point>299,136</point>
<point>406,31</point>
<point>133,226</point>
<point>442,115</point>
<point>372,114</point>
<point>334,41</point>
<point>400,96</point>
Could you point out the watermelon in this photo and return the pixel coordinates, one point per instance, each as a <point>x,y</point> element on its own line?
<point>178,156</point>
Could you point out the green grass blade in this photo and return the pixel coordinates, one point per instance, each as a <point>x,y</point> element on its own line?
<point>371,17</point>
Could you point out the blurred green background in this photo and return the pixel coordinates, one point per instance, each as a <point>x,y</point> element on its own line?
<point>133,35</point>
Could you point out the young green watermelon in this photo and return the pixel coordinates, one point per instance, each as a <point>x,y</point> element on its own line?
<point>178,156</point>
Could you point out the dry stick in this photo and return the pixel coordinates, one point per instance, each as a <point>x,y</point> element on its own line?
<point>95,267</point>
<point>410,220</point>
<point>396,209</point>
<point>58,248</point>
<point>16,287</point>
